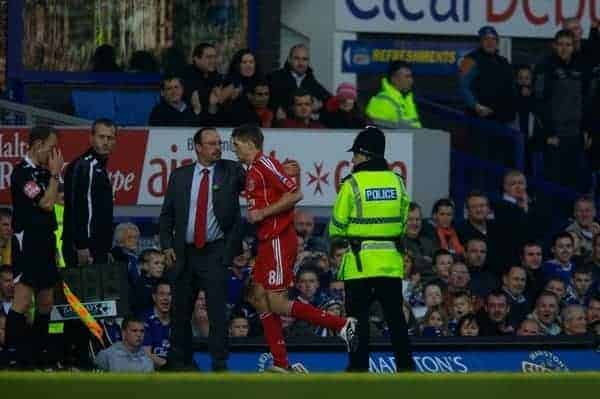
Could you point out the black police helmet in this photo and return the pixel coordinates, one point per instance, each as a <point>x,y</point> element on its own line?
<point>369,142</point>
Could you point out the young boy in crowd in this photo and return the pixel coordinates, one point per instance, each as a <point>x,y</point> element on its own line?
<point>152,266</point>
<point>462,305</point>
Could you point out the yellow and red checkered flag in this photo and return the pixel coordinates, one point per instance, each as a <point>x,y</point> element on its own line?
<point>83,314</point>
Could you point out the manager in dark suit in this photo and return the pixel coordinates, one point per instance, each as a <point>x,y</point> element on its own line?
<point>200,233</point>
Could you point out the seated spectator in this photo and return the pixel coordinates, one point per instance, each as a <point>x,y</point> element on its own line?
<point>443,215</point>
<point>152,265</point>
<point>442,261</point>
<point>581,285</point>
<point>127,238</point>
<point>307,287</point>
<point>593,309</point>
<point>240,273</point>
<point>6,234</point>
<point>432,294</point>
<point>251,107</point>
<point>337,291</point>
<point>531,260</point>
<point>594,260</point>
<point>561,265</point>
<point>482,280</point>
<point>7,288</point>
<point>127,356</point>
<point>479,225</point>
<point>585,225</point>
<point>201,77</point>
<point>467,326</point>
<point>545,314</point>
<point>157,325</point>
<point>105,59</point>
<point>459,278</point>
<point>421,246</point>
<point>395,106</point>
<point>200,323</point>
<point>558,287</point>
<point>296,74</point>
<point>334,307</point>
<point>515,218</point>
<point>239,326</point>
<point>341,111</point>
<point>528,328</point>
<point>493,320</point>
<point>514,282</point>
<point>301,113</point>
<point>460,306</point>
<point>304,223</point>
<point>172,110</point>
<point>573,318</point>
<point>435,323</point>
<point>412,285</point>
<point>243,72</point>
<point>337,249</point>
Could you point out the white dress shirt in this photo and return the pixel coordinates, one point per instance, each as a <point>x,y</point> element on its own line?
<point>213,230</point>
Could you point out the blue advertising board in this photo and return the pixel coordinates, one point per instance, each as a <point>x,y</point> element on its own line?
<point>426,362</point>
<point>426,58</point>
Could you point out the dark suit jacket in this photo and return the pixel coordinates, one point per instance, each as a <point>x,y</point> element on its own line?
<point>228,182</point>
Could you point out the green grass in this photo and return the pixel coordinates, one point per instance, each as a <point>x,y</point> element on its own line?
<point>247,386</point>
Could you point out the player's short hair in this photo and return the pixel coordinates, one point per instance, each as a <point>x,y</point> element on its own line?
<point>41,133</point>
<point>109,123</point>
<point>250,133</point>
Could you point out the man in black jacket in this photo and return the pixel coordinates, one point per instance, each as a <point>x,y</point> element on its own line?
<point>174,111</point>
<point>559,97</point>
<point>201,77</point>
<point>295,74</point>
<point>87,234</point>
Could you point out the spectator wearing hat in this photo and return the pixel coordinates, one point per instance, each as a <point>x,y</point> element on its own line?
<point>341,111</point>
<point>486,80</point>
<point>394,106</point>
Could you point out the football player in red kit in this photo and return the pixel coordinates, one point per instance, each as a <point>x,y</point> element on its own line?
<point>272,196</point>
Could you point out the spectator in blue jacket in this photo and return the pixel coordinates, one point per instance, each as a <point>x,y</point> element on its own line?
<point>157,325</point>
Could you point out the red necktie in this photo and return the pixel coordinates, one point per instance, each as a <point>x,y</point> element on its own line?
<point>201,208</point>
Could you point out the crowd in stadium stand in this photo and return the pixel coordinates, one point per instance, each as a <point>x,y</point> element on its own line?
<point>494,274</point>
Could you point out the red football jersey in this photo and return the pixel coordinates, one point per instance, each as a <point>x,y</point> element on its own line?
<point>266,182</point>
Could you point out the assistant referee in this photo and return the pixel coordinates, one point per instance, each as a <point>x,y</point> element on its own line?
<point>370,212</point>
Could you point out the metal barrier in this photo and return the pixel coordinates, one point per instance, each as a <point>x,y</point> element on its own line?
<point>16,114</point>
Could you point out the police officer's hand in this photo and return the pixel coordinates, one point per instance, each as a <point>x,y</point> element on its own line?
<point>255,216</point>
<point>55,162</point>
<point>84,257</point>
<point>170,257</point>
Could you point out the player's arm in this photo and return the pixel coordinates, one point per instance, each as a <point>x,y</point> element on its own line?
<point>341,211</point>
<point>286,202</point>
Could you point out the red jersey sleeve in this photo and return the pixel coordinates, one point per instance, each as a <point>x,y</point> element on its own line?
<point>275,176</point>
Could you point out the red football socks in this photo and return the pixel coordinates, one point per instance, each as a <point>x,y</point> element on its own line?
<point>317,317</point>
<point>273,330</point>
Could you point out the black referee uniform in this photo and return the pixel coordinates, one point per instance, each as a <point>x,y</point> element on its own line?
<point>34,258</point>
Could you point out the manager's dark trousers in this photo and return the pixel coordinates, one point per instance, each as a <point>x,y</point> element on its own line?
<point>203,270</point>
<point>359,295</point>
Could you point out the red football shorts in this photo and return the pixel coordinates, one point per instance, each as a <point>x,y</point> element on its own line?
<point>274,265</point>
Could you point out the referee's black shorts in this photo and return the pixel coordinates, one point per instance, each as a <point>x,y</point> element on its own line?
<point>34,259</point>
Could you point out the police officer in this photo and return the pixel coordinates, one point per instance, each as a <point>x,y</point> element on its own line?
<point>370,212</point>
<point>88,217</point>
<point>34,190</point>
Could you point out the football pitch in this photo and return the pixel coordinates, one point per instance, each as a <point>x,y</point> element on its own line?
<point>247,386</point>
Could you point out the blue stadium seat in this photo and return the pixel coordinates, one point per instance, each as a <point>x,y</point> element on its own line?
<point>94,104</point>
<point>134,106</point>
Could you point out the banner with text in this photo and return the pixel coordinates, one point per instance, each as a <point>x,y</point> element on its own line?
<point>513,18</point>
<point>144,158</point>
<point>426,362</point>
<point>425,58</point>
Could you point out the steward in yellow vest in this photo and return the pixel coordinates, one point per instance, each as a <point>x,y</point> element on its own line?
<point>394,106</point>
<point>370,212</point>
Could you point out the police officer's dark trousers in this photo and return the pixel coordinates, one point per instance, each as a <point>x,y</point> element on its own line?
<point>388,291</point>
